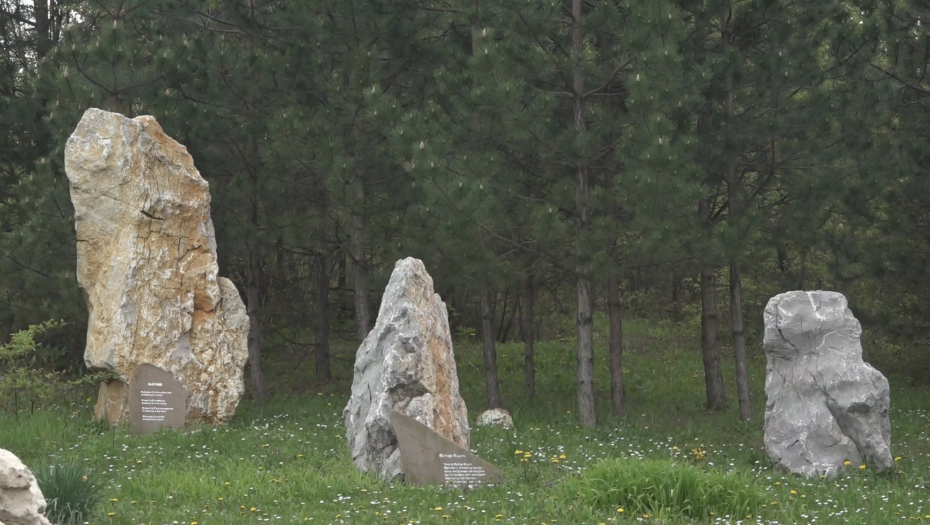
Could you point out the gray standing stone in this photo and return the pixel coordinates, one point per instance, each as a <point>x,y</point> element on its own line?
<point>406,363</point>
<point>825,405</point>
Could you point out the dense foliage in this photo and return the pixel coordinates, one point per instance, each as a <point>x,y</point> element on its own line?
<point>545,159</point>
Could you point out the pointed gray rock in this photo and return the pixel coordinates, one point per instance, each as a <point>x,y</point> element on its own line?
<point>406,363</point>
<point>825,405</point>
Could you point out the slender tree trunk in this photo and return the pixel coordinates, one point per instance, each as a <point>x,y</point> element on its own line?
<point>321,343</point>
<point>587,408</point>
<point>713,374</point>
<point>360,270</point>
<point>739,342</point>
<point>615,311</point>
<point>733,199</point>
<point>504,333</point>
<point>254,306</point>
<point>490,349</point>
<point>43,28</point>
<point>529,336</point>
<point>676,296</point>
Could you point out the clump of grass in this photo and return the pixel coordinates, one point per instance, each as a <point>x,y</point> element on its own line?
<point>71,491</point>
<point>653,486</point>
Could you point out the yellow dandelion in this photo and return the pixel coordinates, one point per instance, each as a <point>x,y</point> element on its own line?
<point>794,492</point>
<point>620,510</point>
<point>111,514</point>
<point>438,508</point>
<point>861,467</point>
<point>518,452</point>
<point>561,456</point>
<point>897,458</point>
<point>253,509</point>
<point>221,499</point>
<point>847,463</point>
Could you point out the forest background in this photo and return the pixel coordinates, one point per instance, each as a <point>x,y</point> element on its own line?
<point>557,165</point>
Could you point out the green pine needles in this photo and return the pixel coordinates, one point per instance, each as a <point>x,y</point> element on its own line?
<point>661,487</point>
<point>70,489</point>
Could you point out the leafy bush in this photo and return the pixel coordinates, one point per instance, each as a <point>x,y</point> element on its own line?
<point>70,489</point>
<point>23,383</point>
<point>662,487</point>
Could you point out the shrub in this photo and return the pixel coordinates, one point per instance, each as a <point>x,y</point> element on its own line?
<point>661,487</point>
<point>23,383</point>
<point>70,489</point>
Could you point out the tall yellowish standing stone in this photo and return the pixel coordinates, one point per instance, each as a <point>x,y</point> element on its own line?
<point>146,262</point>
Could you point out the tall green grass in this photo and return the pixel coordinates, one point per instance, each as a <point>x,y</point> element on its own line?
<point>70,489</point>
<point>655,486</point>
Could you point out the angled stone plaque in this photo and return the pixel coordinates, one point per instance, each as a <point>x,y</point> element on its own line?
<point>430,459</point>
<point>156,400</point>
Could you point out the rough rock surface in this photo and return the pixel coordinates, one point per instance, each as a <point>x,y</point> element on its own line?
<point>406,363</point>
<point>147,266</point>
<point>495,417</point>
<point>21,501</point>
<point>825,405</point>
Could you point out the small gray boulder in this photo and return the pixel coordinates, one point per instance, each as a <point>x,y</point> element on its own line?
<point>824,405</point>
<point>495,417</point>
<point>21,501</point>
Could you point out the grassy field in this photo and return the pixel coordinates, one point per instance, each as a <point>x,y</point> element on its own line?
<point>287,461</point>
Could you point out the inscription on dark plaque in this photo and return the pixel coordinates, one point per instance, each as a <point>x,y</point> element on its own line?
<point>156,400</point>
<point>430,459</point>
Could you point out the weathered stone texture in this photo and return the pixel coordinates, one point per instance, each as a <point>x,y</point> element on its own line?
<point>21,501</point>
<point>495,417</point>
<point>147,266</point>
<point>825,405</point>
<point>406,363</point>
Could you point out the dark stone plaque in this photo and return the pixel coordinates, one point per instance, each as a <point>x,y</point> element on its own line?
<point>430,459</point>
<point>156,400</point>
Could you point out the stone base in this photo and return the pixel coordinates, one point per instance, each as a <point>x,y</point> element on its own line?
<point>112,402</point>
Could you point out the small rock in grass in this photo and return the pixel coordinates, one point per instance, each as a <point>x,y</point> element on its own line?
<point>495,417</point>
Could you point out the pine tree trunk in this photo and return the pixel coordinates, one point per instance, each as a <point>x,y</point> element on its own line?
<point>739,342</point>
<point>587,409</point>
<point>529,337</point>
<point>360,271</point>
<point>615,311</point>
<point>321,343</point>
<point>254,309</point>
<point>733,199</point>
<point>676,296</point>
<point>490,350</point>
<point>713,374</point>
